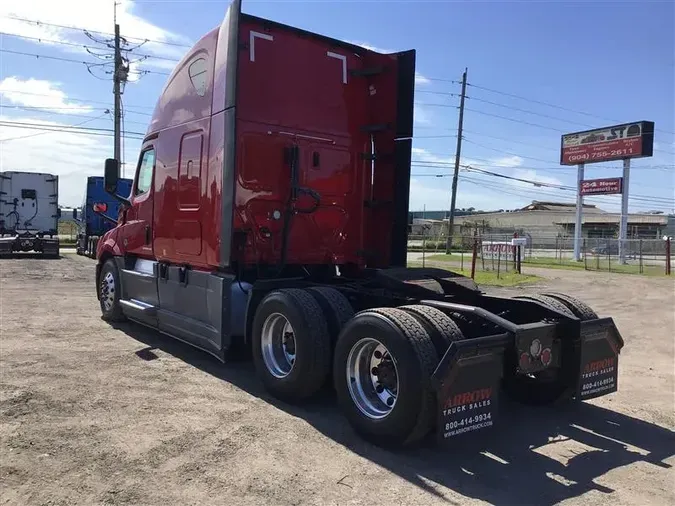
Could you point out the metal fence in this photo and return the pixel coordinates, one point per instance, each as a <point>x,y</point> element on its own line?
<point>495,253</point>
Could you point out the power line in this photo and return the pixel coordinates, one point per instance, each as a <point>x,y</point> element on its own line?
<point>44,133</point>
<point>62,128</point>
<point>512,141</point>
<point>516,120</point>
<point>526,111</point>
<point>48,41</point>
<point>507,152</point>
<point>555,106</point>
<point>86,101</point>
<point>88,48</point>
<point>51,110</point>
<point>66,27</point>
<point>69,60</point>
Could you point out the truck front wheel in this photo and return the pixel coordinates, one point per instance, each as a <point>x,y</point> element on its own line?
<point>382,367</point>
<point>291,344</point>
<point>109,292</point>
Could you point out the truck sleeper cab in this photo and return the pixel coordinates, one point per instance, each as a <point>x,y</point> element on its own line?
<point>269,208</point>
<point>29,213</point>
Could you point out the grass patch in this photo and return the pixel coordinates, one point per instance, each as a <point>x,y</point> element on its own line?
<point>592,264</point>
<point>489,278</point>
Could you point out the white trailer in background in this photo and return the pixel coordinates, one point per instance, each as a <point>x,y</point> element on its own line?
<point>29,213</point>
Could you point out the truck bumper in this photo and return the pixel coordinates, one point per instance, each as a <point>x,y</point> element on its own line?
<point>44,245</point>
<point>468,378</point>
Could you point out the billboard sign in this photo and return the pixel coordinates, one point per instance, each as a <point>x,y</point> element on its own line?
<point>609,186</point>
<point>619,142</point>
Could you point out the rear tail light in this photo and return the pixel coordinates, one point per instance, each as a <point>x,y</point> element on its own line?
<point>535,348</point>
<point>524,360</point>
<point>546,356</point>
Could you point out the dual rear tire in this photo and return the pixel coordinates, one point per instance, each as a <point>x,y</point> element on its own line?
<point>380,361</point>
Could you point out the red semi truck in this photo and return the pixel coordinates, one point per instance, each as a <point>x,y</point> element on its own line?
<point>269,208</point>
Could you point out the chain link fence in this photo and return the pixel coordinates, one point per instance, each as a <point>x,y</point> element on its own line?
<point>496,252</point>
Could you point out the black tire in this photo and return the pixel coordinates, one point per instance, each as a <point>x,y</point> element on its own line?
<point>580,309</point>
<point>336,308</point>
<point>412,416</point>
<point>312,344</point>
<point>547,387</point>
<point>440,327</point>
<point>114,313</point>
<point>549,302</point>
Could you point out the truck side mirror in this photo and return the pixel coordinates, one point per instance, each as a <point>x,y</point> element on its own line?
<point>75,214</point>
<point>111,175</point>
<point>58,212</point>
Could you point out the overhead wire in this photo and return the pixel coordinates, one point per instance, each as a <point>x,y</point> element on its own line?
<point>70,60</point>
<point>89,120</point>
<point>66,27</point>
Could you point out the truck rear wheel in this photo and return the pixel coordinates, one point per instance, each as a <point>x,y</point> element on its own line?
<point>382,367</point>
<point>335,306</point>
<point>580,309</point>
<point>290,344</point>
<point>546,387</point>
<point>440,327</point>
<point>109,292</point>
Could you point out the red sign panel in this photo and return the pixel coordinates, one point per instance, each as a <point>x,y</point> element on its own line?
<point>631,140</point>
<point>608,186</point>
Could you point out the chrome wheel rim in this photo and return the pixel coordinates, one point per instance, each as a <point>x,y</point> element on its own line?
<point>108,291</point>
<point>372,378</point>
<point>278,345</point>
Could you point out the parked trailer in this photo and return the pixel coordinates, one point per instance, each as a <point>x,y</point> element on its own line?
<point>92,225</point>
<point>29,213</point>
<point>277,219</point>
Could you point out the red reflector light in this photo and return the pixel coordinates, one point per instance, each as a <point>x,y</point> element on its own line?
<point>524,360</point>
<point>546,356</point>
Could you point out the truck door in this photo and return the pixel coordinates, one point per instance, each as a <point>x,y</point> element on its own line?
<point>136,232</point>
<point>139,275</point>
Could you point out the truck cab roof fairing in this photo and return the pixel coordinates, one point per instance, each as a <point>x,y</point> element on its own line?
<point>224,99</point>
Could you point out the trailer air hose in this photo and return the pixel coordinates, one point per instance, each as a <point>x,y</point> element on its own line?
<point>292,157</point>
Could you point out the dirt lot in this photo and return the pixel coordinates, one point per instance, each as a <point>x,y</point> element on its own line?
<point>90,415</point>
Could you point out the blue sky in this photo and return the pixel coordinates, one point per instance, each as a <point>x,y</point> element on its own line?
<point>611,61</point>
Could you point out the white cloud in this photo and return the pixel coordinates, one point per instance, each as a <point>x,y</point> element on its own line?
<point>422,155</point>
<point>421,116</point>
<point>36,93</point>
<point>71,155</point>
<point>507,161</point>
<point>95,16</point>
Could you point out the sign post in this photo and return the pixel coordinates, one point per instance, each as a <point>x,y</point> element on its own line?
<point>580,206</point>
<point>618,142</point>
<point>623,226</point>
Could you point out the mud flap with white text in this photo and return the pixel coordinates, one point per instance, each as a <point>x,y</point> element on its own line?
<point>467,381</point>
<point>599,367</point>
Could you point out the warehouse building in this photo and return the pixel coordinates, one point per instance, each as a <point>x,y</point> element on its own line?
<point>546,222</point>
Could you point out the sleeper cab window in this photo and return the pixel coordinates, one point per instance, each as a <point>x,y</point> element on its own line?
<point>145,171</point>
<point>197,73</point>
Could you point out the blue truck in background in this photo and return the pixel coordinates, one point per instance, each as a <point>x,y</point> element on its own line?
<point>91,225</point>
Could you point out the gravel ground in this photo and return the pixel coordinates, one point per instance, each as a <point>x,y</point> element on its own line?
<point>91,414</point>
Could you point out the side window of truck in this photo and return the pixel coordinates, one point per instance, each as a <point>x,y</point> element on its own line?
<point>145,172</point>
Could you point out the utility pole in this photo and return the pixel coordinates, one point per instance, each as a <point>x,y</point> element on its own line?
<point>117,78</point>
<point>458,153</point>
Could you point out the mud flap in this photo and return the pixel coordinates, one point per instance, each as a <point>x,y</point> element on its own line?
<point>467,381</point>
<point>599,365</point>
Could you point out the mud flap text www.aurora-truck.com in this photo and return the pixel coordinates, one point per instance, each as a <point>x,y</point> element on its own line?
<point>468,381</point>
